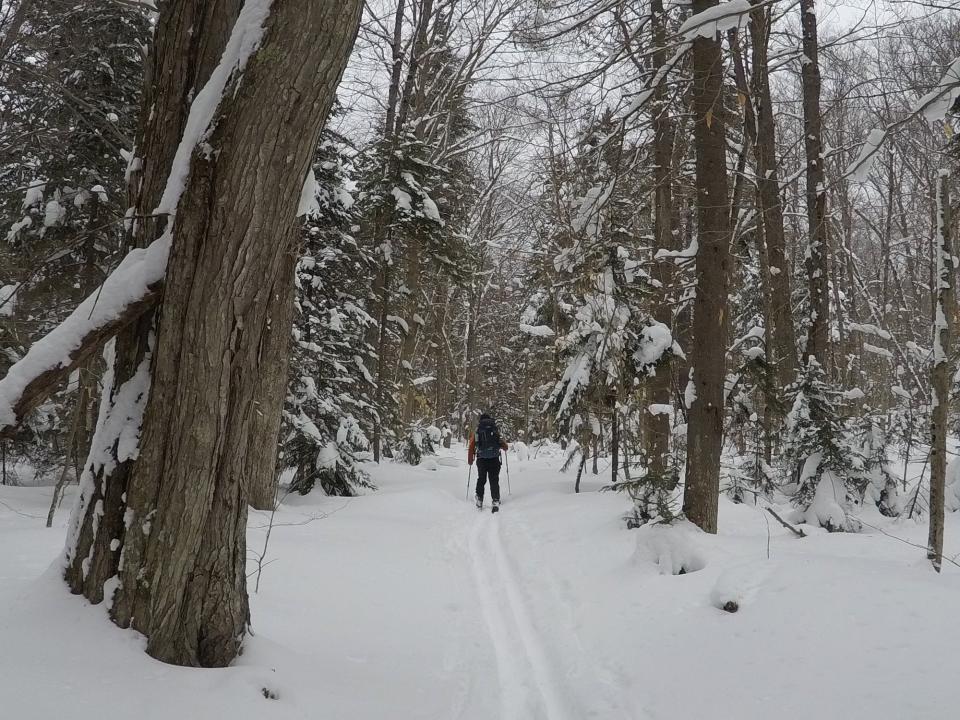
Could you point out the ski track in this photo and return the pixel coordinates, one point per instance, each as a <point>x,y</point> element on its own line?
<point>608,697</point>
<point>509,675</point>
<point>529,687</point>
<point>456,658</point>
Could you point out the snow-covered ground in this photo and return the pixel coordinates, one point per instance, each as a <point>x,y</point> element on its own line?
<point>408,603</point>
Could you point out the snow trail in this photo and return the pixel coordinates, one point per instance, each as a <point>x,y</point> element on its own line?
<point>529,686</point>
<point>606,696</point>
<point>407,603</point>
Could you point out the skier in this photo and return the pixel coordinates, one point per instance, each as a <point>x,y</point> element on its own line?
<point>485,445</point>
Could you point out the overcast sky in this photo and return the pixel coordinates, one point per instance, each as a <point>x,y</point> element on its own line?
<point>847,12</point>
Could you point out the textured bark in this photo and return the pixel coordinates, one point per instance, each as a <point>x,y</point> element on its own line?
<point>380,292</point>
<point>273,360</point>
<point>942,373</point>
<point>705,426</point>
<point>396,51</point>
<point>412,270</point>
<point>781,350</point>
<point>183,578</point>
<point>656,427</point>
<point>378,338</point>
<point>816,258</point>
<point>179,64</point>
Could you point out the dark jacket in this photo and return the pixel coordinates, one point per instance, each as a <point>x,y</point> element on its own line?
<point>472,445</point>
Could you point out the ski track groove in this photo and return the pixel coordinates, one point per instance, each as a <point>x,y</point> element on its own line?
<point>614,701</point>
<point>456,661</point>
<point>512,703</point>
<point>529,688</point>
<point>555,703</point>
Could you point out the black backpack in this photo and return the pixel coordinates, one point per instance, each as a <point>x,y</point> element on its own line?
<point>488,439</point>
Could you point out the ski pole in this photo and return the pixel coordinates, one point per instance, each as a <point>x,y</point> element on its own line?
<point>506,458</point>
<point>469,474</point>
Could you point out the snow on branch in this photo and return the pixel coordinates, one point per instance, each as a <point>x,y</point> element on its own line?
<point>882,352</point>
<point>868,329</point>
<point>937,103</point>
<point>859,169</point>
<point>933,106</point>
<point>679,256</point>
<point>134,287</point>
<point>127,293</point>
<point>537,330</point>
<point>718,19</point>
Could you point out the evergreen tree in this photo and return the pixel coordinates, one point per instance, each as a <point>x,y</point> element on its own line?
<point>70,84</point>
<point>612,341</point>
<point>819,449</point>
<point>329,406</point>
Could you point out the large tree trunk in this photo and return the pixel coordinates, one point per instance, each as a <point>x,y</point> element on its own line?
<point>781,350</point>
<point>705,427</point>
<point>816,259</point>
<point>942,372</point>
<point>271,384</point>
<point>179,64</point>
<point>183,577</point>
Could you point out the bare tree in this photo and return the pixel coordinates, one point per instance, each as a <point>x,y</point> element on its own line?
<point>657,424</point>
<point>816,196</point>
<point>943,368</point>
<point>781,347</point>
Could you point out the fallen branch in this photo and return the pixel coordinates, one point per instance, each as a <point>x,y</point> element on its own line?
<point>796,531</point>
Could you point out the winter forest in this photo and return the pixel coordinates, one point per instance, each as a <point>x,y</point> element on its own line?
<point>265,263</point>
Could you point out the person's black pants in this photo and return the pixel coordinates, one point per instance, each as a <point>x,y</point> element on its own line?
<point>488,468</point>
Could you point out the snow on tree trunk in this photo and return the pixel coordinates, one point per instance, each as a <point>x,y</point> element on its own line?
<point>705,427</point>
<point>179,61</point>
<point>134,289</point>
<point>181,539</point>
<point>942,370</point>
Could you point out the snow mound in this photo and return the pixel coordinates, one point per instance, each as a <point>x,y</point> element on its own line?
<point>737,585</point>
<point>952,491</point>
<point>8,300</point>
<point>449,461</point>
<point>521,450</point>
<point>675,549</point>
<point>827,509</point>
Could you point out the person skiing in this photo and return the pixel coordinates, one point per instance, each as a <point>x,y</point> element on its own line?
<point>485,445</point>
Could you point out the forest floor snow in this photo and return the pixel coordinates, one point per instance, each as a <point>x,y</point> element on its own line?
<point>407,603</point>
